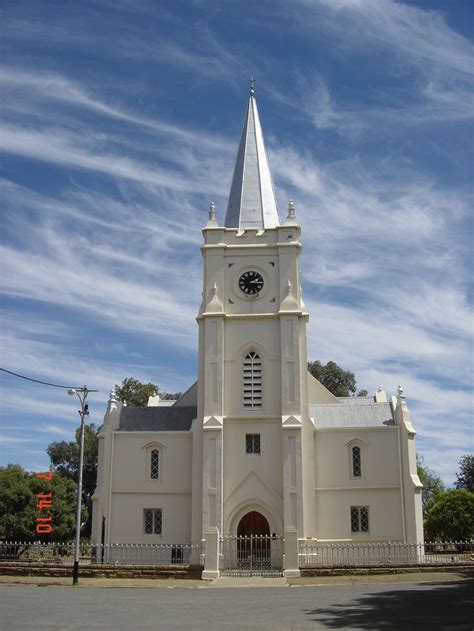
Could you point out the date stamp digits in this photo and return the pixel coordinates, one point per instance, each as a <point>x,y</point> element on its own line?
<point>44,504</point>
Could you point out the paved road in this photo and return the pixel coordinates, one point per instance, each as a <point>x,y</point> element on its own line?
<point>410,606</point>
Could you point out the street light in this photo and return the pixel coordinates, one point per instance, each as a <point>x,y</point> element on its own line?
<point>81,393</point>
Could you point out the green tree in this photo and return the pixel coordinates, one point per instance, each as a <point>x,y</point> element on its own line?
<point>65,460</point>
<point>433,486</point>
<point>340,382</point>
<point>134,393</point>
<point>465,475</point>
<point>451,518</point>
<point>64,502</point>
<point>18,505</point>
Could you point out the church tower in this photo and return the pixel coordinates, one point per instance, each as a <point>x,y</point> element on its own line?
<point>253,446</point>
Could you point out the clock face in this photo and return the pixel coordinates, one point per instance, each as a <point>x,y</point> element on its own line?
<point>251,283</point>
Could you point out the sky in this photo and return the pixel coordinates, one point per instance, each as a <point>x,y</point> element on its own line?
<point>120,123</point>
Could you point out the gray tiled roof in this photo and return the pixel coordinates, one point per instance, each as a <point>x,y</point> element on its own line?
<point>355,400</point>
<point>359,415</point>
<point>157,419</point>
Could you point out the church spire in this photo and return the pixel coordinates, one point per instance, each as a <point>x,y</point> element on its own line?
<point>252,199</point>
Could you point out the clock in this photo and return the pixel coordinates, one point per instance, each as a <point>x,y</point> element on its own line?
<point>251,283</point>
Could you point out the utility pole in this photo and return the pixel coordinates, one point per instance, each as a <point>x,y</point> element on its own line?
<point>81,393</point>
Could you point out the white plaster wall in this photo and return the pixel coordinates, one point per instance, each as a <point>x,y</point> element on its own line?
<point>127,517</point>
<point>380,457</point>
<point>333,514</point>
<point>252,477</point>
<point>240,337</point>
<point>378,488</point>
<point>133,490</point>
<point>131,467</point>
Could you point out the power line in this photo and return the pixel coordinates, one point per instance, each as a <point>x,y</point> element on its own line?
<point>44,383</point>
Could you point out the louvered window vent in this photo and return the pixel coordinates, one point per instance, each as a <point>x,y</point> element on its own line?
<point>252,381</point>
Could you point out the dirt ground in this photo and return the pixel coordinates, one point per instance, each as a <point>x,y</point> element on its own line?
<point>255,581</point>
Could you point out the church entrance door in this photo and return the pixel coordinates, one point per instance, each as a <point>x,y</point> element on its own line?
<point>254,544</point>
<point>253,524</point>
<point>253,551</point>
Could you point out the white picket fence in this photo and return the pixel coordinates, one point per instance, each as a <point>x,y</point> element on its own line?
<point>110,554</point>
<point>314,553</point>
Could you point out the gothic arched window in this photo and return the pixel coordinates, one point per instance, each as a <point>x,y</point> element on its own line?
<point>252,381</point>
<point>356,462</point>
<point>154,464</point>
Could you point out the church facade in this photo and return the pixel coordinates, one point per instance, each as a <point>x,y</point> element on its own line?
<point>256,445</point>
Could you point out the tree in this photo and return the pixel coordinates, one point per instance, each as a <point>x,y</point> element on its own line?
<point>64,503</point>
<point>465,475</point>
<point>433,486</point>
<point>134,393</point>
<point>451,518</point>
<point>18,505</point>
<point>65,460</point>
<point>340,382</point>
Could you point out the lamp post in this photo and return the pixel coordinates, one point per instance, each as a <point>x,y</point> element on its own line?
<point>81,393</point>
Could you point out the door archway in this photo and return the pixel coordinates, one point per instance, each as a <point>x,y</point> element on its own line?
<point>253,542</point>
<point>253,524</point>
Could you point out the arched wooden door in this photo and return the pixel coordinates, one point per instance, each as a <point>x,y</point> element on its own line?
<point>253,523</point>
<point>254,542</point>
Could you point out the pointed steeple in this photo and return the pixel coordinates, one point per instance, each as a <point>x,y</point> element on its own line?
<point>252,199</point>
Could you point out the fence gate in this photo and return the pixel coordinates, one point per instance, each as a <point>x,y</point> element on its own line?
<point>253,555</point>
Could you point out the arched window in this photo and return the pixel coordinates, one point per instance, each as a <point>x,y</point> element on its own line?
<point>356,462</point>
<point>252,379</point>
<point>155,464</point>
<point>153,461</point>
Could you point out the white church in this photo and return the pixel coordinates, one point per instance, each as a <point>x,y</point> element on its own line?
<point>257,446</point>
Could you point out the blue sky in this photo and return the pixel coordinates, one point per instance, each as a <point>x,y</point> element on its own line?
<point>120,123</point>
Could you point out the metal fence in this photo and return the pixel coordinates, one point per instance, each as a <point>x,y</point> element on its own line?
<point>91,554</point>
<point>250,556</point>
<point>311,553</point>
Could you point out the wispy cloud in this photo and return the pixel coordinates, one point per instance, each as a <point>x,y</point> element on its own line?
<point>110,166</point>
<point>421,36</point>
<point>47,86</point>
<point>415,42</point>
<point>56,430</point>
<point>391,248</point>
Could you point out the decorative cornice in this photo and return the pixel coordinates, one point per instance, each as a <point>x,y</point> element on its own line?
<point>249,246</point>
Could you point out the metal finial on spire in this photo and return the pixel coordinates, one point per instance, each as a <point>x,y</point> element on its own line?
<point>212,211</point>
<point>291,210</point>
<point>252,87</point>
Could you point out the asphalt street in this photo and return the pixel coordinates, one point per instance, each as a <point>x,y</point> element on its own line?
<point>408,606</point>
